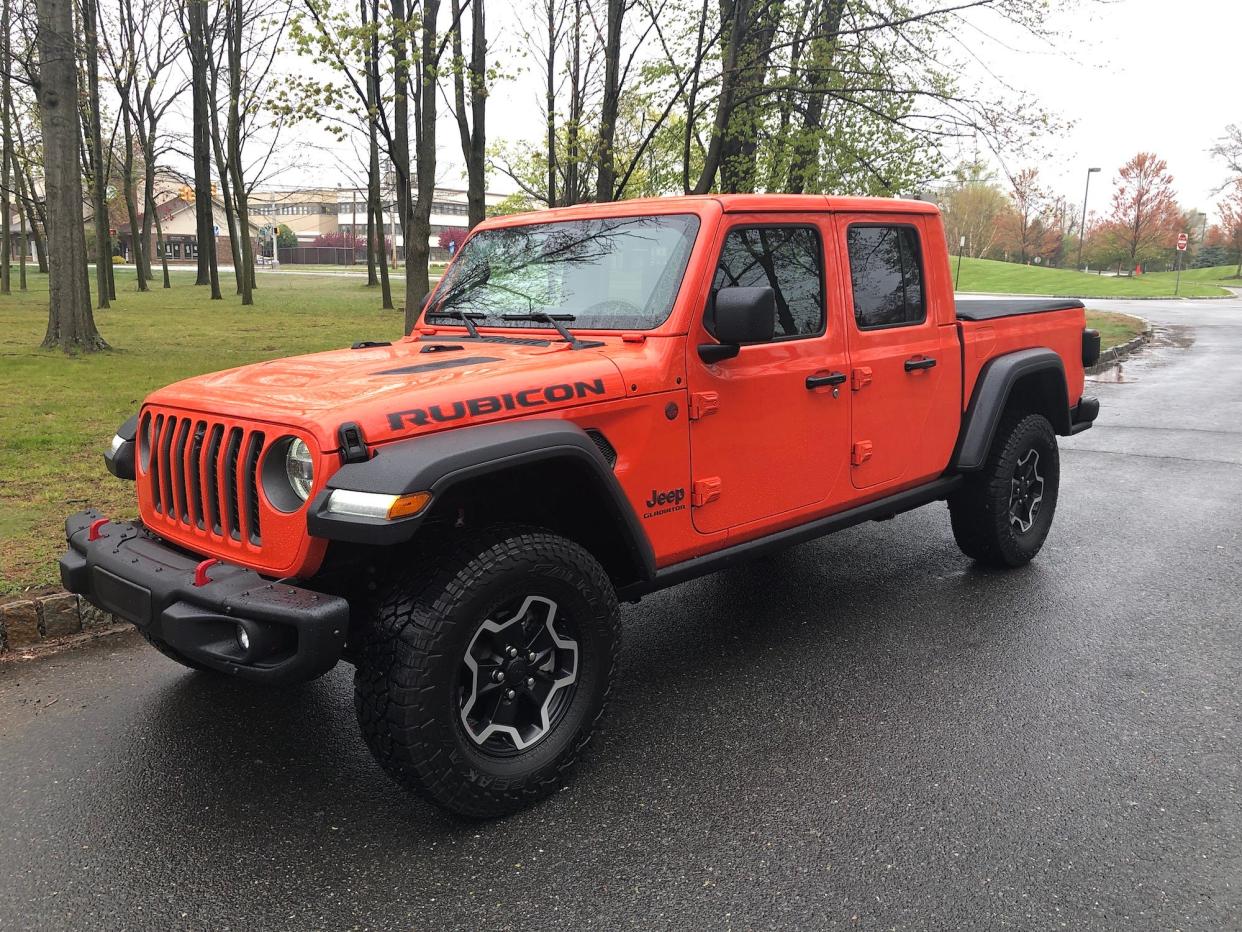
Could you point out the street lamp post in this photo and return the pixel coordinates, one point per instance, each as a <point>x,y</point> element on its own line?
<point>1082,230</point>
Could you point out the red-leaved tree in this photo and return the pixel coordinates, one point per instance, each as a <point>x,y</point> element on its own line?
<point>452,238</point>
<point>1231,223</point>
<point>340,240</point>
<point>1145,218</point>
<point>1028,230</point>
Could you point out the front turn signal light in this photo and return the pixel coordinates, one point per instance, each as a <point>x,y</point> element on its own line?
<point>376,504</point>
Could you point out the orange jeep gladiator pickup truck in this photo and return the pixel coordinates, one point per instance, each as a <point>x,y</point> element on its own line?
<point>597,402</point>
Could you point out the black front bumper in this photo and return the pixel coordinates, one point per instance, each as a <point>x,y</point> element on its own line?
<point>295,634</point>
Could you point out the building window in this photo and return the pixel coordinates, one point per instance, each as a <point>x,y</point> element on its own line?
<point>172,250</point>
<point>191,249</point>
<point>887,276</point>
<point>787,259</point>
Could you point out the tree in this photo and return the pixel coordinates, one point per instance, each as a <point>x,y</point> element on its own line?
<point>471,127</point>
<point>285,237</point>
<point>7,165</point>
<point>974,207</point>
<point>1024,230</point>
<point>1145,218</point>
<point>1230,227</point>
<point>198,44</point>
<point>71,324</point>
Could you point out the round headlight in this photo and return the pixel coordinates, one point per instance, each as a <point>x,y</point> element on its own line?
<point>299,468</point>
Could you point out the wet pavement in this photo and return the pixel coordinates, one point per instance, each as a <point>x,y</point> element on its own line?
<point>863,732</point>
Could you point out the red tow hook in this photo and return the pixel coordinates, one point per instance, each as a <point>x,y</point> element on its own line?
<point>93,533</point>
<point>200,572</point>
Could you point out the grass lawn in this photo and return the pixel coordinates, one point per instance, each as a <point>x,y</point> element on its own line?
<point>990,276</point>
<point>1215,275</point>
<point>57,413</point>
<point>1114,328</point>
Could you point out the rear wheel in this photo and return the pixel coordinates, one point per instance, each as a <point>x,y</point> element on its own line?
<point>1003,513</point>
<point>479,684</point>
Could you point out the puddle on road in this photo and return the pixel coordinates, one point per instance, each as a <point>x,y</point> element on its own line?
<point>1165,336</point>
<point>1113,374</point>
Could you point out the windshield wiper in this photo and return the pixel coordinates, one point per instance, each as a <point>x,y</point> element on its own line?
<point>466,317</point>
<point>554,320</point>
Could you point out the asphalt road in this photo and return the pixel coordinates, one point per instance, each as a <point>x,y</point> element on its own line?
<point>865,732</point>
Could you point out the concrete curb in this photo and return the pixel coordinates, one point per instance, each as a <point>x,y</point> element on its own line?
<point>50,620</point>
<point>1114,354</point>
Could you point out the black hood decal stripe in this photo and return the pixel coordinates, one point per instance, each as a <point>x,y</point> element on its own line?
<point>443,364</point>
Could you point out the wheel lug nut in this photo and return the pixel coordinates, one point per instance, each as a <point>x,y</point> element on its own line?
<point>510,694</point>
<point>499,676</point>
<point>512,651</point>
<point>531,656</point>
<point>530,682</point>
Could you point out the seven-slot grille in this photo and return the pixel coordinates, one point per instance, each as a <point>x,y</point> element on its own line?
<point>204,474</point>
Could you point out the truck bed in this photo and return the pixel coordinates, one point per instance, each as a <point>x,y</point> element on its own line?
<point>971,308</point>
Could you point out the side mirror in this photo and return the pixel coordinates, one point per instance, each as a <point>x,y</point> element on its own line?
<point>742,315</point>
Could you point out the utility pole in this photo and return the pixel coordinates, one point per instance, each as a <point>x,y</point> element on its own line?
<point>1082,230</point>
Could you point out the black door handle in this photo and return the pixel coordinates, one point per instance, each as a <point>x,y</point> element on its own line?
<point>919,362</point>
<point>819,381</point>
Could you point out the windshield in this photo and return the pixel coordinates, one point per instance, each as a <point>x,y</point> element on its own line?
<point>611,273</point>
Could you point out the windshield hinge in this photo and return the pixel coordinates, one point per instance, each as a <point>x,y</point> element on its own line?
<point>353,444</point>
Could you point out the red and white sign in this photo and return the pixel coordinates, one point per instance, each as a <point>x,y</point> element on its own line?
<point>1182,240</point>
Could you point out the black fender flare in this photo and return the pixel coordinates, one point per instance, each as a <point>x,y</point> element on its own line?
<point>437,462</point>
<point>991,395</point>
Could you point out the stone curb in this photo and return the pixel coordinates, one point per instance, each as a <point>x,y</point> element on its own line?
<point>1114,354</point>
<point>45,620</point>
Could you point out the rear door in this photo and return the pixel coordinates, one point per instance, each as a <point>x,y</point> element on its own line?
<point>902,361</point>
<point>764,441</point>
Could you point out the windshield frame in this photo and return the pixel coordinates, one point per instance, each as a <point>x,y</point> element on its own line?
<point>698,212</point>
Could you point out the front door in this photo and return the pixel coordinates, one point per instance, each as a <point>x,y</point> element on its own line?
<point>901,361</point>
<point>769,426</point>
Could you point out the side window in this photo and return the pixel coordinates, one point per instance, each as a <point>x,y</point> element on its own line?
<point>887,275</point>
<point>790,260</point>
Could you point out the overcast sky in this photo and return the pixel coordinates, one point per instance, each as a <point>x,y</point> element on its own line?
<point>1131,75</point>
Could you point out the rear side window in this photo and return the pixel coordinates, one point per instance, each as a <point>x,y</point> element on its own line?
<point>790,261</point>
<point>887,275</point>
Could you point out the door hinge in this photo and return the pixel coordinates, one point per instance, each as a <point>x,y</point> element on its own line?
<point>704,403</point>
<point>704,491</point>
<point>860,378</point>
<point>861,452</point>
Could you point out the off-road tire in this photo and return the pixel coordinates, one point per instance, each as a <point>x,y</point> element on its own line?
<point>980,510</point>
<point>412,647</point>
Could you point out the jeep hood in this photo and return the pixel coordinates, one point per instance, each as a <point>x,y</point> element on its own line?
<point>413,386</point>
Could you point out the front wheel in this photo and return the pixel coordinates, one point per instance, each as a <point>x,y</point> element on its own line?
<point>478,683</point>
<point>1003,513</point>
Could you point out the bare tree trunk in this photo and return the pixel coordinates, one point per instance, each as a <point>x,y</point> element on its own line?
<point>472,130</point>
<point>200,64</point>
<point>692,100</point>
<point>7,161</point>
<point>375,211</point>
<point>573,155</point>
<point>159,241</point>
<point>131,203</point>
<point>550,100</point>
<point>418,245</point>
<point>605,180</point>
<point>236,36</point>
<point>223,169</point>
<point>400,152</point>
<point>71,324</point>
